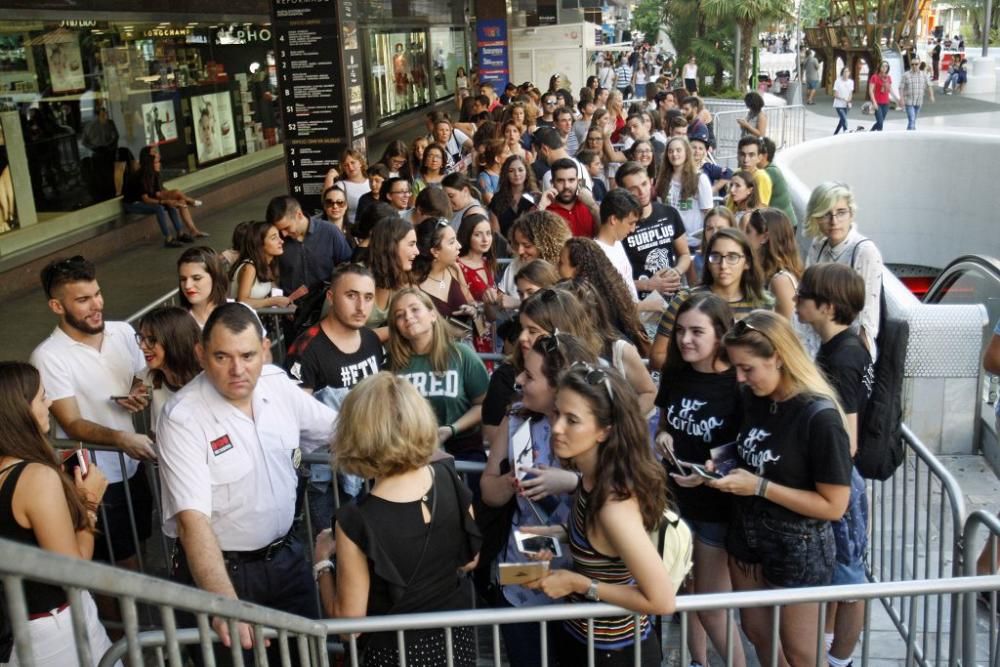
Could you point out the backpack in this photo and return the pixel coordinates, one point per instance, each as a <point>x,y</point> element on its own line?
<point>673,542</point>
<point>880,428</point>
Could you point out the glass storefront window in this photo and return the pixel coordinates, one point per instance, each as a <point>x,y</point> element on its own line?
<point>399,69</point>
<point>90,94</point>
<point>448,49</point>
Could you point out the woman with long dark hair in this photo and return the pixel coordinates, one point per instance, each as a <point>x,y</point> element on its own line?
<point>167,337</point>
<point>700,409</point>
<point>253,278</point>
<point>743,196</point>
<point>464,197</point>
<point>41,506</point>
<point>771,233</point>
<point>202,282</point>
<point>518,193</point>
<point>390,257</point>
<point>600,430</point>
<point>732,272</point>
<point>396,158</point>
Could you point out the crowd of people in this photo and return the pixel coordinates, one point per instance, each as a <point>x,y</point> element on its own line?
<point>644,327</point>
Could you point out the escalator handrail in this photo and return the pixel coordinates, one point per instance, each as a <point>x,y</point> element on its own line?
<point>990,265</point>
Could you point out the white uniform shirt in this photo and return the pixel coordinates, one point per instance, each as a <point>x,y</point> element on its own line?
<point>235,470</point>
<point>619,260</point>
<point>70,369</point>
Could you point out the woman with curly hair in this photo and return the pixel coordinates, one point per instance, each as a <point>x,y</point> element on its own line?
<point>583,258</point>
<point>535,235</point>
<point>732,272</point>
<point>517,194</point>
<point>772,235</point>
<point>390,257</point>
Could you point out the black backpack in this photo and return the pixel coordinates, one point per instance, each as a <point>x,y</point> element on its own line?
<point>880,429</point>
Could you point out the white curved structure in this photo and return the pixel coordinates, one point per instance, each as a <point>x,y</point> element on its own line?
<point>924,197</point>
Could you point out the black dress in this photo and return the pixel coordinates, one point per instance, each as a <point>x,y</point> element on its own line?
<point>408,577</point>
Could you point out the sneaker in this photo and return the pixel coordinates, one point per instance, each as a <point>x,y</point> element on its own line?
<point>172,243</point>
<point>185,238</point>
<point>202,235</point>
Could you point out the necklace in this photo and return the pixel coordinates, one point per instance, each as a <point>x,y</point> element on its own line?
<point>444,274</point>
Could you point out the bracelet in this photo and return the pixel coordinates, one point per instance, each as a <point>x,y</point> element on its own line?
<point>762,488</point>
<point>452,428</point>
<point>319,568</point>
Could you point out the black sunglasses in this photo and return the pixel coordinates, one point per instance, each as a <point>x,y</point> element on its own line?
<point>550,343</point>
<point>595,376</point>
<point>741,327</point>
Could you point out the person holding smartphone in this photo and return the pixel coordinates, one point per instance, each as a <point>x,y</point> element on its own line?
<point>700,409</point>
<point>41,506</point>
<point>541,489</point>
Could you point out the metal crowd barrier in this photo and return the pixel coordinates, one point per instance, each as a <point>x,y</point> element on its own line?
<point>916,532</point>
<point>972,631</point>
<point>785,126</point>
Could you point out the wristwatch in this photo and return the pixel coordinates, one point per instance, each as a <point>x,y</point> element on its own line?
<point>592,591</point>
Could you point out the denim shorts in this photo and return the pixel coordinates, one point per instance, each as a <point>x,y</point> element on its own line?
<point>849,574</point>
<point>793,552</point>
<point>712,533</point>
<point>812,85</point>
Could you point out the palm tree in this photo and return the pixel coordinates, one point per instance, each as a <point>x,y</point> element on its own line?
<point>747,14</point>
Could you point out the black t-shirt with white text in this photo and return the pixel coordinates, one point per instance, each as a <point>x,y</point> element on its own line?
<point>848,366</point>
<point>774,442</point>
<point>316,362</point>
<point>700,411</point>
<point>650,248</point>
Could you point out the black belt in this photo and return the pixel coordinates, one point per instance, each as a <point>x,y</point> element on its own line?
<point>264,553</point>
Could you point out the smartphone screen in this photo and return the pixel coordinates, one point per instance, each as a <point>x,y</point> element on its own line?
<point>533,544</point>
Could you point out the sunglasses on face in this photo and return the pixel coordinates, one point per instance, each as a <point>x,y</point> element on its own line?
<point>330,203</point>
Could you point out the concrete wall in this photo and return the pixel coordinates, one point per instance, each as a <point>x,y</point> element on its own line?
<point>924,197</point>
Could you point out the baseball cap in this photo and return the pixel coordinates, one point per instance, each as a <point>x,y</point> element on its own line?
<point>700,135</point>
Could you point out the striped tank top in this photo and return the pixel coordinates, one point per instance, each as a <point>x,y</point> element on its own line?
<point>614,632</point>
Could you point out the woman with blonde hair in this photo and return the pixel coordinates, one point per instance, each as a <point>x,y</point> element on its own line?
<point>772,235</point>
<point>353,177</point>
<point>835,238</point>
<point>792,478</point>
<point>397,550</point>
<point>448,374</point>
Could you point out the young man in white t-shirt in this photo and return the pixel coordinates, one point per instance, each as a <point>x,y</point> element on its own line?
<point>91,371</point>
<point>620,211</point>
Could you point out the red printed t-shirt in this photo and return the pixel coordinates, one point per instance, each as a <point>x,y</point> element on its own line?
<point>880,89</point>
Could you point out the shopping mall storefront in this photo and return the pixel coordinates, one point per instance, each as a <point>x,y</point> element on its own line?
<point>85,88</point>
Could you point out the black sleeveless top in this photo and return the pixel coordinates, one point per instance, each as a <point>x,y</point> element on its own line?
<point>41,597</point>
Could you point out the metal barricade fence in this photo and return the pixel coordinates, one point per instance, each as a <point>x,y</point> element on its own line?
<point>916,532</point>
<point>785,126</point>
<point>972,634</point>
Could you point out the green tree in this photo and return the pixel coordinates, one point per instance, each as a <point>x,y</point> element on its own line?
<point>746,14</point>
<point>648,18</point>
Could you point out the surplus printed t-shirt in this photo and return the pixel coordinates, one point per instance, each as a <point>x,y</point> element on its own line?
<point>650,248</point>
<point>700,411</point>
<point>774,442</point>
<point>316,362</point>
<point>849,367</point>
<point>451,393</point>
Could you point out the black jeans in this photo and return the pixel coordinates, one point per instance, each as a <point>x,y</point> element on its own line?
<point>284,582</point>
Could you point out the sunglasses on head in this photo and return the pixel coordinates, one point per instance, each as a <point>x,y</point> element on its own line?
<point>59,267</point>
<point>595,376</point>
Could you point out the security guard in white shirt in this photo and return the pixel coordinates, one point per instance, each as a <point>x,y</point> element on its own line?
<point>226,442</point>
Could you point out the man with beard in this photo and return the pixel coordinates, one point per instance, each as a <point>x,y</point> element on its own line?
<point>330,358</point>
<point>564,199</point>
<point>91,370</point>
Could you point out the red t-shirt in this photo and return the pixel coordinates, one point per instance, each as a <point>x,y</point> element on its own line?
<point>579,219</point>
<point>880,89</point>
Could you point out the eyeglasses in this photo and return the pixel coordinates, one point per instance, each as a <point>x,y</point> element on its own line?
<point>55,269</point>
<point>400,192</point>
<point>839,215</point>
<point>330,203</point>
<point>730,258</point>
<point>550,103</point>
<point>595,376</point>
<point>148,341</point>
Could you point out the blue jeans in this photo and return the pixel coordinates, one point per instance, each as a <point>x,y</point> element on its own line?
<point>881,111</point>
<point>911,116</point>
<point>161,215</point>
<point>842,124</point>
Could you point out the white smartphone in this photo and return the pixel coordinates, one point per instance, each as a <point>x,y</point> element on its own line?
<point>528,543</point>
